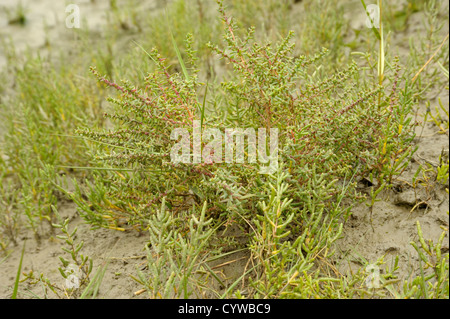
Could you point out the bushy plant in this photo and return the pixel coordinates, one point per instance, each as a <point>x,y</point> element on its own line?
<point>333,131</point>
<point>327,122</point>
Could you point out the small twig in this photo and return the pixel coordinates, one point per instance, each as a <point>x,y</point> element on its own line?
<point>228,262</point>
<point>428,161</point>
<point>417,205</point>
<point>131,257</point>
<point>429,60</point>
<point>139,292</point>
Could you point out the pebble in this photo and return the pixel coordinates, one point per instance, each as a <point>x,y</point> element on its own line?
<point>406,198</point>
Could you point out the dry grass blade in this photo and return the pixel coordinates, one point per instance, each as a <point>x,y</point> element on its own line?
<point>429,60</point>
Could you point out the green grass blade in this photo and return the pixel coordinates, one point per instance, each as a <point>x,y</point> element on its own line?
<point>148,54</point>
<point>381,54</point>
<point>234,284</point>
<point>444,70</point>
<point>180,59</point>
<point>4,258</point>
<point>214,274</point>
<point>177,51</point>
<point>94,285</point>
<point>423,281</point>
<point>19,270</point>
<point>203,106</point>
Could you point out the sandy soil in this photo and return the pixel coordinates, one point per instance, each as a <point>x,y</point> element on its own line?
<point>393,224</point>
<point>392,228</point>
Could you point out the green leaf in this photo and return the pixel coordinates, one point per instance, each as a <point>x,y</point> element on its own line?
<point>79,246</point>
<point>62,273</point>
<point>177,51</point>
<point>63,261</point>
<point>19,269</point>
<point>94,284</point>
<point>203,106</point>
